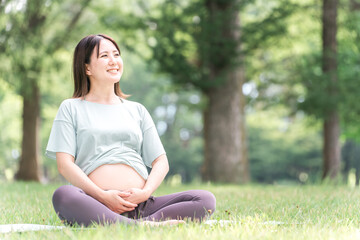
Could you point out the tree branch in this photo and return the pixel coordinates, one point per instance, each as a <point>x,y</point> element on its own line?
<point>60,38</point>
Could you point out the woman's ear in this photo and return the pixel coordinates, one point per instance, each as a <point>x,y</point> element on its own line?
<point>87,69</point>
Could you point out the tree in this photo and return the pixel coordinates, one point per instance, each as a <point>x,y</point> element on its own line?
<point>331,127</point>
<point>27,37</point>
<point>330,78</point>
<point>208,35</point>
<point>224,119</point>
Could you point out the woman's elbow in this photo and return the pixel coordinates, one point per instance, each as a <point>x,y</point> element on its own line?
<point>63,160</point>
<point>60,167</point>
<point>166,164</point>
<point>162,162</point>
<point>166,167</point>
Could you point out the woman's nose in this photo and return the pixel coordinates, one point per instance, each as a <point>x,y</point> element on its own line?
<point>111,60</point>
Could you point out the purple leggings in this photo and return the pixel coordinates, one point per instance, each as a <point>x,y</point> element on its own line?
<point>73,205</point>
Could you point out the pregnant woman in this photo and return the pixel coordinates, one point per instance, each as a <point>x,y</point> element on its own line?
<point>102,144</point>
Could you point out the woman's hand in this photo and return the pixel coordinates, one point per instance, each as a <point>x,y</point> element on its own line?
<point>160,167</point>
<point>137,195</point>
<point>115,201</point>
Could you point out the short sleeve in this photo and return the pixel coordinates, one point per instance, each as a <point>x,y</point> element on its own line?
<point>151,147</point>
<point>63,135</point>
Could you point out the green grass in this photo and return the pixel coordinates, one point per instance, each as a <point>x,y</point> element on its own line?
<point>305,212</point>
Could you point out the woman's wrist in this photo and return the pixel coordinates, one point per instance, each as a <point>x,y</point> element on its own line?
<point>100,195</point>
<point>147,192</point>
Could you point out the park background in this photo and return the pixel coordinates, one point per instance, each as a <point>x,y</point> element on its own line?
<point>240,91</point>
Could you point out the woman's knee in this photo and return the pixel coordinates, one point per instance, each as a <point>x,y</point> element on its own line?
<point>209,201</point>
<point>64,195</point>
<point>206,199</point>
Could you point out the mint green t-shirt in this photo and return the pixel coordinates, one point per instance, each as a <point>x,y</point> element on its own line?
<point>97,134</point>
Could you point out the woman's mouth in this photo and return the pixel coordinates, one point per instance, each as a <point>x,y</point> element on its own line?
<point>113,70</point>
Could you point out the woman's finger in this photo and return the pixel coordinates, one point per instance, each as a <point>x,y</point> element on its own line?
<point>123,194</point>
<point>128,204</point>
<point>126,209</point>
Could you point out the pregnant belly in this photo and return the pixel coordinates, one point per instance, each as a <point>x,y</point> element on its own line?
<point>116,177</point>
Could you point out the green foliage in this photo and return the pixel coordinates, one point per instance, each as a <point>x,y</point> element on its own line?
<point>283,148</point>
<point>194,27</point>
<point>32,32</point>
<point>190,27</point>
<point>271,65</point>
<point>290,72</point>
<point>317,101</point>
<point>265,23</point>
<point>309,73</point>
<point>10,137</point>
<point>349,59</point>
<point>23,46</point>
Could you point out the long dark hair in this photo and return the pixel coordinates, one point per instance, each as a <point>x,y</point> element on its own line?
<point>82,55</point>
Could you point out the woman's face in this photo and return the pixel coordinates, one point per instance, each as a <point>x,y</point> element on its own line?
<point>108,67</point>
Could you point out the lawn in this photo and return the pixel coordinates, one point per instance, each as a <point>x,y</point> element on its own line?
<point>256,212</point>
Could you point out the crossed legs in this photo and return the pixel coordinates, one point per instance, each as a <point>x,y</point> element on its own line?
<point>74,206</point>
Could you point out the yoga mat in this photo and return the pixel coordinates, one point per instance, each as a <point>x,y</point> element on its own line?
<point>8,228</point>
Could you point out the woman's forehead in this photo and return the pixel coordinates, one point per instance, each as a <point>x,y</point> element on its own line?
<point>106,45</point>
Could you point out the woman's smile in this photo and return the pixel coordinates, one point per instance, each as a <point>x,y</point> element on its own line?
<point>113,71</point>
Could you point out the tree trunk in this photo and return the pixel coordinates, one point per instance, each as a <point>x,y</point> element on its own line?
<point>224,133</point>
<point>355,6</point>
<point>29,162</point>
<point>224,119</point>
<point>331,149</point>
<point>356,162</point>
<point>347,157</point>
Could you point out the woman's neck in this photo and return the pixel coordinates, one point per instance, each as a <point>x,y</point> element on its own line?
<point>103,96</point>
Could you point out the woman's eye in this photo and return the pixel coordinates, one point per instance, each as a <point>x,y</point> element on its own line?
<point>117,54</point>
<point>103,55</point>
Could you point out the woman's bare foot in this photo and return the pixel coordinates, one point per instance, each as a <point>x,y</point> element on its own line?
<point>163,223</point>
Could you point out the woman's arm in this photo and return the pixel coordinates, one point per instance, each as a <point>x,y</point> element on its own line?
<point>160,167</point>
<point>113,199</point>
